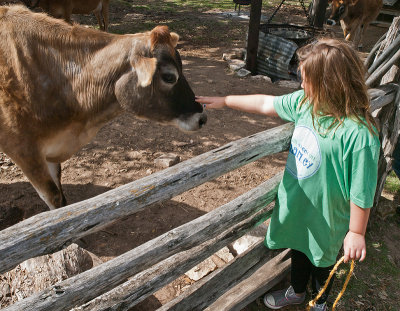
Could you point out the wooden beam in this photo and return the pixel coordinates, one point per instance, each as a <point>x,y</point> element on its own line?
<point>389,132</point>
<point>145,283</point>
<point>84,287</point>
<point>318,12</point>
<point>50,231</point>
<point>254,285</point>
<point>383,95</point>
<point>394,72</point>
<point>252,38</point>
<point>236,274</point>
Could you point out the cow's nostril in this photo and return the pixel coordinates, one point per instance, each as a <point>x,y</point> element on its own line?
<point>202,120</point>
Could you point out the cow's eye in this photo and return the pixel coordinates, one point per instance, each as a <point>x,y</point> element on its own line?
<point>168,78</point>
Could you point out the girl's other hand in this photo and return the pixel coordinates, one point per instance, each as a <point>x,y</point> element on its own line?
<point>354,246</point>
<point>211,102</point>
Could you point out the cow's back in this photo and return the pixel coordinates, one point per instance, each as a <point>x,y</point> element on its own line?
<point>40,56</point>
<point>368,10</point>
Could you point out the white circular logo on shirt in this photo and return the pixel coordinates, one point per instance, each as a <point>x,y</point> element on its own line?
<point>304,157</point>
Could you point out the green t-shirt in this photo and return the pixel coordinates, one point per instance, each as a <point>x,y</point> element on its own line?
<point>324,171</point>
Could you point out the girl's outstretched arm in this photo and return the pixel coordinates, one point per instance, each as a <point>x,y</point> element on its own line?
<point>261,104</point>
<point>354,242</point>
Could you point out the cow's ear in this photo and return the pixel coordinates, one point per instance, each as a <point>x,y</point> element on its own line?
<point>145,68</point>
<point>174,39</point>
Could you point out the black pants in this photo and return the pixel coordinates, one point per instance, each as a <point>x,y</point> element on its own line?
<point>302,269</point>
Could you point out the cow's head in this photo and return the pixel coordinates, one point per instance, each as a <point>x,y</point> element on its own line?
<point>154,86</point>
<point>339,11</point>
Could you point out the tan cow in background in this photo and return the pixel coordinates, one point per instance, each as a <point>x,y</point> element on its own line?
<point>354,16</point>
<point>59,84</point>
<point>65,8</point>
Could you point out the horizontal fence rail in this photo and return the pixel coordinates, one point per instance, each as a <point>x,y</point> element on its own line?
<point>85,286</point>
<point>382,96</point>
<point>50,231</point>
<point>147,282</point>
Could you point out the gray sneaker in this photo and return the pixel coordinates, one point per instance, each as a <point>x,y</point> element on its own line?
<point>319,307</point>
<point>282,298</point>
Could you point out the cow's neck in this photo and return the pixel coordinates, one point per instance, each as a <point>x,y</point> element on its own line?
<point>83,74</point>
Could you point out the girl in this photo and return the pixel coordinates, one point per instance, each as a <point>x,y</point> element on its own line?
<point>328,187</point>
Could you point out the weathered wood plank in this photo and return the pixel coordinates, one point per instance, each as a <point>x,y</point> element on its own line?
<point>318,13</point>
<point>206,291</point>
<point>382,96</point>
<point>372,54</point>
<point>149,281</point>
<point>394,72</point>
<point>390,128</point>
<point>77,290</point>
<point>377,75</point>
<point>252,40</point>
<point>50,231</point>
<point>254,285</point>
<point>388,49</point>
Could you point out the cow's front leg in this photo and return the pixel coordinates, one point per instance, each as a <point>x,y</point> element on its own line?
<point>45,178</point>
<point>55,173</point>
<point>100,20</point>
<point>355,33</point>
<point>357,36</point>
<point>105,14</point>
<point>363,30</point>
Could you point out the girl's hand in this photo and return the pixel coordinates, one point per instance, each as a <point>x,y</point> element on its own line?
<point>354,246</point>
<point>211,102</point>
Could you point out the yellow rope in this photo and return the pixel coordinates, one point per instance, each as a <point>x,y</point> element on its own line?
<point>313,302</point>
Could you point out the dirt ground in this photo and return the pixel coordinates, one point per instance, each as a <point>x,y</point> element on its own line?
<point>125,149</point>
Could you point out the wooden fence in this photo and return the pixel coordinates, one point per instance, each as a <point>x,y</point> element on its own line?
<point>383,64</point>
<point>156,263</point>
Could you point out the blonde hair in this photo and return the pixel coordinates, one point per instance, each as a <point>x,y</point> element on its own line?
<point>335,77</point>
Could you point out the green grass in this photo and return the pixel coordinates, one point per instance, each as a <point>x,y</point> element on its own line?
<point>371,278</point>
<point>392,183</point>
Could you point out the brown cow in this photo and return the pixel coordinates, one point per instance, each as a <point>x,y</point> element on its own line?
<point>59,84</point>
<point>65,8</point>
<point>354,16</point>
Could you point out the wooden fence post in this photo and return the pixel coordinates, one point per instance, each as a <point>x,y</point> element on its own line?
<point>318,12</point>
<point>252,39</point>
<point>389,118</point>
<point>394,73</point>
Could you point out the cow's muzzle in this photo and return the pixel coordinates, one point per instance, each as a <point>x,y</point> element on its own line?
<point>202,120</point>
<point>191,122</point>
